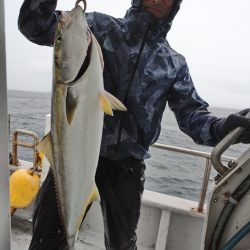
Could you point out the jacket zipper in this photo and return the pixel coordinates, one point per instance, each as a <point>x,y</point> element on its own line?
<point>128,89</point>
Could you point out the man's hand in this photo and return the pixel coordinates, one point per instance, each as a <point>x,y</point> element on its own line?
<point>237,120</point>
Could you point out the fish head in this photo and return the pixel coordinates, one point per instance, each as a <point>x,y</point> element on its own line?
<point>72,40</point>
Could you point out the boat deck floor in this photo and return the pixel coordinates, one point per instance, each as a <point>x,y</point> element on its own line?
<point>21,232</point>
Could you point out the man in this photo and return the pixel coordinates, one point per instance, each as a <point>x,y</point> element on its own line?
<point>143,71</point>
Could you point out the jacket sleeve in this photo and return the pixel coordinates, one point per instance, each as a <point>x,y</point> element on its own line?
<point>191,111</point>
<point>37,21</point>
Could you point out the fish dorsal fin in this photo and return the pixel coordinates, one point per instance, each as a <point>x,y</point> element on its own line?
<point>45,146</point>
<point>93,196</point>
<point>109,102</point>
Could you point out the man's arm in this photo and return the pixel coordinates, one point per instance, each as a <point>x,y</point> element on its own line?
<point>37,21</point>
<point>196,121</point>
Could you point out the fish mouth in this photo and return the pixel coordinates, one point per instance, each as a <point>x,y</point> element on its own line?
<point>83,67</point>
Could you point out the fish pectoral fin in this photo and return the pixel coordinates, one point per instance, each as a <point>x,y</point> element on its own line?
<point>45,146</point>
<point>106,106</point>
<point>115,103</point>
<point>71,105</point>
<point>110,102</point>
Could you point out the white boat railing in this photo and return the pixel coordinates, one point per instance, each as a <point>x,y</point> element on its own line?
<point>207,170</point>
<point>196,153</point>
<point>4,168</point>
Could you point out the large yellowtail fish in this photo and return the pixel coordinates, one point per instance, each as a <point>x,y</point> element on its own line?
<point>77,109</point>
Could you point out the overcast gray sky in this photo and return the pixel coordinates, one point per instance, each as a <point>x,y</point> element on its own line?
<point>213,35</point>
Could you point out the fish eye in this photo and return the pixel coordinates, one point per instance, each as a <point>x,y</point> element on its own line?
<point>59,39</point>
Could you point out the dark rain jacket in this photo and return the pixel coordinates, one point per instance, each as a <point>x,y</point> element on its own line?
<point>161,76</point>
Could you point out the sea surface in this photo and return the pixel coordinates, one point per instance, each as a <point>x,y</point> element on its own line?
<point>167,172</point>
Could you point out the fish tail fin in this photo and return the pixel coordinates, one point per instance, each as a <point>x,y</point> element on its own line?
<point>110,102</point>
<point>45,146</point>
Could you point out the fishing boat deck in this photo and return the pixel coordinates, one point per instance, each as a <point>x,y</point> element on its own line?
<point>21,229</point>
<point>166,222</point>
<point>21,232</point>
<point>21,225</point>
<point>163,219</point>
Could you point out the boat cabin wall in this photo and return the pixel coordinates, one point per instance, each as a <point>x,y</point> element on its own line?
<point>166,222</point>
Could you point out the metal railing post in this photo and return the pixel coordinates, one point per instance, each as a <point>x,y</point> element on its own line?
<point>4,154</point>
<point>207,170</point>
<point>16,142</point>
<point>204,186</point>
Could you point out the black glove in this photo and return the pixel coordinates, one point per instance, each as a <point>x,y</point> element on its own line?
<point>221,129</point>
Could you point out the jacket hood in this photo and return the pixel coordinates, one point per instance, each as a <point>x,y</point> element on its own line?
<point>166,23</point>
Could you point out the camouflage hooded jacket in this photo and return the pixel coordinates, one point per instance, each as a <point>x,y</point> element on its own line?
<point>161,76</point>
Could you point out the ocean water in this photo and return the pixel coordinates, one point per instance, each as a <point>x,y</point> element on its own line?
<point>167,172</point>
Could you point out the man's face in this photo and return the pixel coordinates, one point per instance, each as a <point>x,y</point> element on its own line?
<point>158,8</point>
